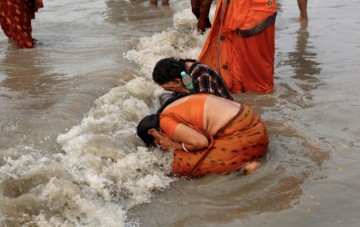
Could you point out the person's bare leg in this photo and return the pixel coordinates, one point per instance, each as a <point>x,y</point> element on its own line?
<point>303,10</point>
<point>195,8</point>
<point>165,2</point>
<point>154,2</point>
<point>203,20</point>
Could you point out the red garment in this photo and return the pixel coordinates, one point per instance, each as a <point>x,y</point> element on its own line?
<point>15,20</point>
<point>241,44</point>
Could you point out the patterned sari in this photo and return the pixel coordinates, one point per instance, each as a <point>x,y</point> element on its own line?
<point>244,139</point>
<point>15,20</point>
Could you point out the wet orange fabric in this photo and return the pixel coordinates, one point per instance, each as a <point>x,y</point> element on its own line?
<point>242,140</point>
<point>15,20</point>
<point>245,63</point>
<point>194,115</point>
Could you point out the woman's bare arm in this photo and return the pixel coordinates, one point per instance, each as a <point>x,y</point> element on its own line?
<point>192,139</point>
<point>184,138</point>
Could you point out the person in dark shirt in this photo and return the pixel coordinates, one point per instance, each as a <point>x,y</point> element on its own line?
<point>168,74</point>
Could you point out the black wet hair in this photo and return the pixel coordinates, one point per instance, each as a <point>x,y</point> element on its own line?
<point>168,69</point>
<point>147,123</point>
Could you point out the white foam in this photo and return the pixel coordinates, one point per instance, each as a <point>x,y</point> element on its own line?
<point>181,41</point>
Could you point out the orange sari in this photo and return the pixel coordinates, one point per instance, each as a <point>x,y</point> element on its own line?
<point>15,20</point>
<point>241,44</point>
<point>242,140</point>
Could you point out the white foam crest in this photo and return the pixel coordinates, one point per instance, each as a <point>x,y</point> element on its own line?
<point>64,197</point>
<point>179,4</point>
<point>106,159</point>
<point>185,20</point>
<point>124,182</point>
<point>181,41</point>
<point>13,167</point>
<point>38,170</point>
<point>130,173</point>
<point>58,192</point>
<point>108,214</point>
<point>121,108</point>
<point>114,179</point>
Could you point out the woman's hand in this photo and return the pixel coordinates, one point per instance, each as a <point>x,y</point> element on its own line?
<point>175,86</point>
<point>165,142</point>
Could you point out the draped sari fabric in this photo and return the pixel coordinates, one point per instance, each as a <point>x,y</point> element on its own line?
<point>15,20</point>
<point>241,44</point>
<point>242,140</point>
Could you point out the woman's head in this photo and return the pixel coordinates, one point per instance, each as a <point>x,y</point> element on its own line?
<point>153,122</point>
<point>147,123</point>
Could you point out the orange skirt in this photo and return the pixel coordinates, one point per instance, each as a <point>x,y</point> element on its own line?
<point>245,139</point>
<point>15,20</point>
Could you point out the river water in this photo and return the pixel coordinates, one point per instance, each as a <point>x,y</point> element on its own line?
<point>68,151</point>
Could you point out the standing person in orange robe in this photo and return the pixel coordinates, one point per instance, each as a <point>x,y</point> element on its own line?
<point>241,44</point>
<point>15,20</point>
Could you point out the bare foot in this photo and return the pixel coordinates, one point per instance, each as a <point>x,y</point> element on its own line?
<point>248,168</point>
<point>251,167</point>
